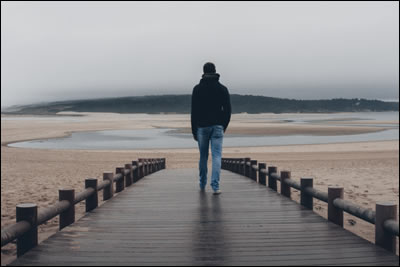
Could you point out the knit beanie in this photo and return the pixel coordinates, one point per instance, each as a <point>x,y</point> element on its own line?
<point>209,68</point>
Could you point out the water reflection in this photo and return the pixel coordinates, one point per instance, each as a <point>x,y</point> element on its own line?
<point>165,138</point>
<point>161,139</point>
<point>209,234</point>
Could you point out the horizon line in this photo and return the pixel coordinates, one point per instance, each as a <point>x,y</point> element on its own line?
<point>110,97</point>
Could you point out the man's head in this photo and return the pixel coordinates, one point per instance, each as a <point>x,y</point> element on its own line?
<point>209,68</point>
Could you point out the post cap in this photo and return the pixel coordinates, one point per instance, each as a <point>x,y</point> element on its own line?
<point>26,205</point>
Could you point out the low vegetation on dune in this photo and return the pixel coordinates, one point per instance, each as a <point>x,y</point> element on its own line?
<point>181,104</point>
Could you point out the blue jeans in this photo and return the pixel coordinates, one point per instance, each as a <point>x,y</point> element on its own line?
<point>214,134</point>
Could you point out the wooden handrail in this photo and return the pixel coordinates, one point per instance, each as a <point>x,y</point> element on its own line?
<point>21,228</point>
<point>392,226</point>
<point>13,231</point>
<point>52,211</point>
<point>292,183</point>
<point>315,193</point>
<point>103,184</point>
<point>363,213</point>
<point>83,195</point>
<point>385,232</point>
<point>117,177</point>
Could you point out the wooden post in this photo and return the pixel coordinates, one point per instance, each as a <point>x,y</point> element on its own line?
<point>143,161</point>
<point>140,170</point>
<point>128,178</point>
<point>108,191</point>
<point>272,181</point>
<point>385,211</point>
<point>92,201</point>
<point>285,188</point>
<point>306,200</point>
<point>246,168</point>
<point>243,167</point>
<point>143,168</point>
<point>149,168</point>
<point>146,168</point>
<point>27,212</point>
<point>237,165</point>
<point>253,172</point>
<point>136,171</point>
<point>261,176</point>
<point>335,215</point>
<point>156,164</point>
<point>67,217</point>
<point>164,163</point>
<point>120,184</point>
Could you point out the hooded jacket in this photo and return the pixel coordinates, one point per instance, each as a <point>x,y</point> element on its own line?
<point>210,103</point>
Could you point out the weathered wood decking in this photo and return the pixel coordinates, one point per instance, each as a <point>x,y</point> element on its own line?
<point>165,220</point>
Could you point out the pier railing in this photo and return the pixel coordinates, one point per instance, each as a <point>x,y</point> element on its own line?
<point>385,217</point>
<point>29,218</point>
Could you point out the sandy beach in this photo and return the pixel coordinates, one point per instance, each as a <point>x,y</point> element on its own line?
<point>368,171</point>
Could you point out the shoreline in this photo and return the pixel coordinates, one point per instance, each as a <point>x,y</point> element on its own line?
<point>159,150</point>
<point>69,134</point>
<point>265,124</point>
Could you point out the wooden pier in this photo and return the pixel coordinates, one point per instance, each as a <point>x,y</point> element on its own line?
<point>165,220</point>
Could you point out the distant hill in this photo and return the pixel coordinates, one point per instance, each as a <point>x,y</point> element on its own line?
<point>182,103</point>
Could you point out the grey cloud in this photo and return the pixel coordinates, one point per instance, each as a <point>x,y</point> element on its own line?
<point>69,50</point>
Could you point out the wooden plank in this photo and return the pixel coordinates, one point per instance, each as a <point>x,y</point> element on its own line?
<point>164,220</point>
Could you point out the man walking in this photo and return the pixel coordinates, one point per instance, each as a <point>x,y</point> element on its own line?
<point>211,113</point>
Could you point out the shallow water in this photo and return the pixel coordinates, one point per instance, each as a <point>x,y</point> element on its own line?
<point>168,138</point>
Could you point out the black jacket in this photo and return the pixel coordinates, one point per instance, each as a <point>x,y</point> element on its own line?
<point>210,103</point>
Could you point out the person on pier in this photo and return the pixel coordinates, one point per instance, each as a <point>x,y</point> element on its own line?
<point>210,116</point>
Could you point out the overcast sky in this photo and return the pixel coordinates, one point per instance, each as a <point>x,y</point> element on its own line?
<point>310,50</point>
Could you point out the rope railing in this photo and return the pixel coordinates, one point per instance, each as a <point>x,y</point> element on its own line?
<point>28,217</point>
<point>384,218</point>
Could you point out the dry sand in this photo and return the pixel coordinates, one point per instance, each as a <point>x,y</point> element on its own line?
<point>369,171</point>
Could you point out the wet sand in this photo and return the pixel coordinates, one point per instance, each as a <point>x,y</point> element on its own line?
<point>369,171</point>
